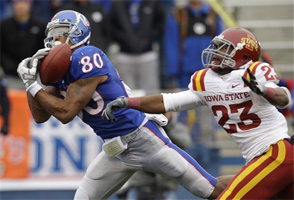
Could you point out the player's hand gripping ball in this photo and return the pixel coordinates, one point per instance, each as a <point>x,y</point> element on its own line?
<point>56,64</point>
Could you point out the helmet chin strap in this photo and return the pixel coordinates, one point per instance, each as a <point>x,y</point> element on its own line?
<point>221,71</point>
<point>67,40</point>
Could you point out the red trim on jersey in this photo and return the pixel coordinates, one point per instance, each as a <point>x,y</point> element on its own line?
<point>202,79</point>
<point>193,80</point>
<point>252,68</point>
<point>198,80</point>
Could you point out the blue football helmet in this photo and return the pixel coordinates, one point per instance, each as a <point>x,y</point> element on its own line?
<point>70,24</point>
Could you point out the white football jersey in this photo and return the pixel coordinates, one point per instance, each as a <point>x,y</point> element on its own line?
<point>251,121</point>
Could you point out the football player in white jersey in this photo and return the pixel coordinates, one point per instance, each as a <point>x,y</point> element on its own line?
<point>242,95</point>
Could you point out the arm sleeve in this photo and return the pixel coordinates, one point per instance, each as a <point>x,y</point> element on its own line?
<point>181,101</point>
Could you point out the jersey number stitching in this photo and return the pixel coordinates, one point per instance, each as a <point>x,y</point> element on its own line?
<point>245,117</point>
<point>88,65</point>
<point>267,75</point>
<point>99,104</point>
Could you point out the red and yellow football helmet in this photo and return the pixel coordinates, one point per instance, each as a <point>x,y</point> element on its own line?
<point>233,48</point>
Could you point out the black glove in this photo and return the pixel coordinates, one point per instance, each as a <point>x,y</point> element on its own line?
<point>120,102</point>
<point>253,85</point>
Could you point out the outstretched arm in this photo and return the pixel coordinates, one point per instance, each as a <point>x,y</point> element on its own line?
<point>148,104</point>
<point>154,104</point>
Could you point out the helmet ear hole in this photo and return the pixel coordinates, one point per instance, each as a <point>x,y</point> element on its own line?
<point>245,57</point>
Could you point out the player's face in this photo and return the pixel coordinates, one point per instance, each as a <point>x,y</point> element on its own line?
<point>60,39</point>
<point>57,36</point>
<point>218,59</point>
<point>224,50</point>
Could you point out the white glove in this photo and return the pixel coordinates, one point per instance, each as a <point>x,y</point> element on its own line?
<point>159,119</point>
<point>41,53</point>
<point>29,75</point>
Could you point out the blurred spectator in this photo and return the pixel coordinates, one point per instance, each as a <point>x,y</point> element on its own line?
<point>136,26</point>
<point>4,104</point>
<point>45,9</point>
<point>188,31</point>
<point>4,9</point>
<point>97,17</point>
<point>21,36</point>
<point>168,7</point>
<point>151,186</point>
<point>105,3</point>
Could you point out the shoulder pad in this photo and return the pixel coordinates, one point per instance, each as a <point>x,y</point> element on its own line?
<point>263,72</point>
<point>197,80</point>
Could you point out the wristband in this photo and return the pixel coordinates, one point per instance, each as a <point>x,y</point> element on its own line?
<point>34,88</point>
<point>134,102</point>
<point>270,93</point>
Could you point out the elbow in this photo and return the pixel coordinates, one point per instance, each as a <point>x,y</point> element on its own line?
<point>66,119</point>
<point>284,103</point>
<point>285,100</point>
<point>41,119</point>
<point>65,115</point>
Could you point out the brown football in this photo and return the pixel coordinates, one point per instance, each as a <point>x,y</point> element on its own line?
<point>55,64</point>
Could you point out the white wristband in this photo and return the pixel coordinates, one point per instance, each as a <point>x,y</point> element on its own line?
<point>34,88</point>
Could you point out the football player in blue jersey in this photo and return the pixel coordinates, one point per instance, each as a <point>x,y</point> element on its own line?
<point>133,142</point>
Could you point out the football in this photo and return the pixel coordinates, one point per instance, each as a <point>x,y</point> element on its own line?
<point>55,64</point>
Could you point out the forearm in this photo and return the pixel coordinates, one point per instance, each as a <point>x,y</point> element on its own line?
<point>56,106</point>
<point>279,97</point>
<point>78,94</point>
<point>39,114</point>
<point>148,104</point>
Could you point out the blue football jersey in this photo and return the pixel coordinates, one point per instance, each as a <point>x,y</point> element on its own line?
<point>89,61</point>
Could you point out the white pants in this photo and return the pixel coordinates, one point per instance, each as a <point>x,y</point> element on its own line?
<point>150,150</point>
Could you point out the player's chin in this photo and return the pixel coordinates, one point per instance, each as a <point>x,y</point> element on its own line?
<point>221,71</point>
<point>216,69</point>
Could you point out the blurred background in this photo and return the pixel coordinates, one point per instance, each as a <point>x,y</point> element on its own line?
<point>48,161</point>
